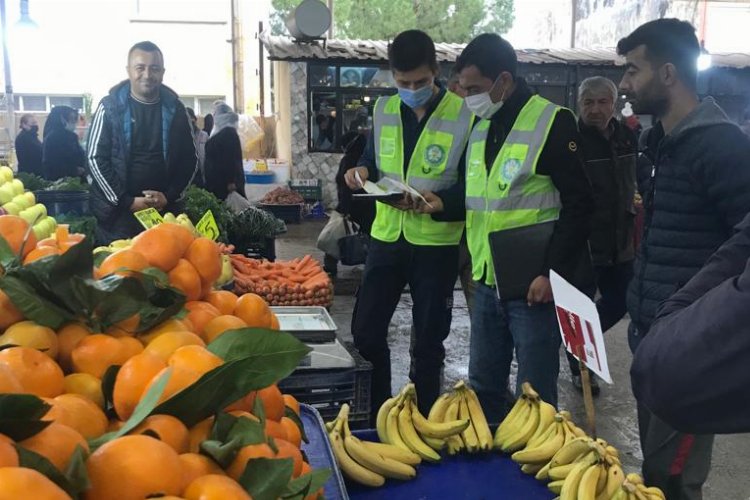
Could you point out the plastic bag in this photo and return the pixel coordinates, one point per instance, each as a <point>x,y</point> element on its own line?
<point>328,239</point>
<point>250,133</point>
<point>236,203</point>
<point>353,245</point>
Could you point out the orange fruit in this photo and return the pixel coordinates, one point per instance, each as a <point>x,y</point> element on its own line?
<point>14,229</point>
<point>275,430</point>
<point>221,324</point>
<point>180,233</point>
<point>245,403</point>
<point>8,453</point>
<point>199,314</point>
<point>195,357</point>
<point>67,339</point>
<point>205,256</point>
<point>40,253</point>
<point>195,465</point>
<point>56,443</point>
<point>84,385</point>
<point>9,384</point>
<point>171,325</point>
<point>78,413</point>
<point>199,433</point>
<point>186,279</point>
<point>237,467</point>
<point>169,429</point>
<point>293,433</point>
<point>180,379</point>
<point>168,342</point>
<point>291,402</point>
<point>134,468</point>
<point>273,402</point>
<point>37,372</point>
<point>131,346</point>
<point>95,353</point>
<point>253,310</point>
<point>288,450</point>
<point>131,381</point>
<point>30,334</point>
<point>123,262</point>
<point>20,482</point>
<point>9,313</point>
<point>245,414</point>
<point>275,325</point>
<point>160,249</point>
<point>223,300</point>
<point>215,487</point>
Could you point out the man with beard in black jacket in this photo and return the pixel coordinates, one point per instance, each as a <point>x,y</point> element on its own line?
<point>141,152</point>
<point>698,191</point>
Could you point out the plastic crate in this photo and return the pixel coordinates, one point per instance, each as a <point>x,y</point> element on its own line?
<point>262,250</point>
<point>310,189</point>
<point>319,453</point>
<point>327,389</point>
<point>287,213</point>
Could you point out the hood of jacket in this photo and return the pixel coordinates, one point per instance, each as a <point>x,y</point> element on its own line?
<point>706,114</point>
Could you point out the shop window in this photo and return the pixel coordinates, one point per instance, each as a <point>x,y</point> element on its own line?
<point>34,103</point>
<point>322,76</point>
<point>323,124</point>
<point>74,102</point>
<point>366,76</point>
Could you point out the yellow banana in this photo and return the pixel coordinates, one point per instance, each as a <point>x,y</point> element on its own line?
<point>382,417</point>
<point>589,481</point>
<point>601,484</point>
<point>615,477</point>
<point>436,430</point>
<point>522,436</point>
<point>479,420</point>
<point>352,469</point>
<point>454,443</point>
<point>577,431</point>
<point>511,421</point>
<point>531,469</point>
<point>538,439</point>
<point>435,444</point>
<point>547,414</point>
<point>392,429</point>
<point>573,480</point>
<point>393,452</point>
<point>634,478</point>
<point>556,487</point>
<point>469,434</point>
<point>561,472</point>
<point>439,407</point>
<point>619,494</point>
<point>379,464</point>
<point>543,473</point>
<point>570,452</point>
<point>652,492</point>
<point>411,438</point>
<point>545,451</point>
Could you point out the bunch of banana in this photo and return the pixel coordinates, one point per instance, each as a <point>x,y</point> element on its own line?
<point>633,489</point>
<point>554,431</point>
<point>366,462</point>
<point>523,420</point>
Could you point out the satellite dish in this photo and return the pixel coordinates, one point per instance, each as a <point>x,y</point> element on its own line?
<point>309,20</point>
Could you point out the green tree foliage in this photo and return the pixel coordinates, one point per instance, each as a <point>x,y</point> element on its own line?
<point>456,21</point>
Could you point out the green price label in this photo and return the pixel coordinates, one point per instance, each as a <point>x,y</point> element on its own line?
<point>207,226</point>
<point>148,217</point>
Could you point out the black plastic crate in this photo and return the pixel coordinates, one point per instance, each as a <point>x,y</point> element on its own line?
<point>327,389</point>
<point>287,213</point>
<point>265,249</point>
<point>310,189</point>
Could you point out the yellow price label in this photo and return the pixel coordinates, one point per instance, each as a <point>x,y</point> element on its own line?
<point>149,217</point>
<point>207,226</point>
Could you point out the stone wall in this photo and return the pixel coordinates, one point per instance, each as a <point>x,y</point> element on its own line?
<point>306,165</point>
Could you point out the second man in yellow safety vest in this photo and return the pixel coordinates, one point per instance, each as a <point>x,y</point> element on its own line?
<point>522,170</point>
<point>418,139</point>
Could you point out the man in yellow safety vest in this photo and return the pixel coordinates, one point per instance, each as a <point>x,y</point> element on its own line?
<point>522,170</point>
<point>418,139</point>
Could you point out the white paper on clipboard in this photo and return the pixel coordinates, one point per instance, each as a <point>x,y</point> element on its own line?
<point>579,325</point>
<point>392,185</point>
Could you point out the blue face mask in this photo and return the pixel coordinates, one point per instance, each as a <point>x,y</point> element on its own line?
<point>416,98</point>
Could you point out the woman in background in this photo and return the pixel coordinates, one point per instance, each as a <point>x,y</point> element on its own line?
<point>62,154</point>
<point>223,165</point>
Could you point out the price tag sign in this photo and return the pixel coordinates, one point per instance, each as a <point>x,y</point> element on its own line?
<point>579,326</point>
<point>149,217</point>
<point>207,226</point>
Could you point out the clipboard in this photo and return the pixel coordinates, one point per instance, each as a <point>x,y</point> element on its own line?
<point>518,257</point>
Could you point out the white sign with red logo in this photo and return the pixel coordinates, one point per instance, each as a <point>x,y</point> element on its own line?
<point>579,326</point>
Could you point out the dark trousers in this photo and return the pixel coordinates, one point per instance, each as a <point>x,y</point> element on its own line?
<point>612,283</point>
<point>677,463</point>
<point>430,272</point>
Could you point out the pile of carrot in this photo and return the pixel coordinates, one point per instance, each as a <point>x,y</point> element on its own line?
<point>299,282</point>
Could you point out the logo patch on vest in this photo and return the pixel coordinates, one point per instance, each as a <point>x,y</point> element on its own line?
<point>510,170</point>
<point>434,156</point>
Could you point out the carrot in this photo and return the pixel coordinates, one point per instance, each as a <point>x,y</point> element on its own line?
<point>305,260</point>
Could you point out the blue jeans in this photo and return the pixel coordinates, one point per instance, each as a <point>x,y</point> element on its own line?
<point>497,329</point>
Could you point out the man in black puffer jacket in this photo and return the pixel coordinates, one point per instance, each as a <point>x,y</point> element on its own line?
<point>698,191</point>
<point>141,152</point>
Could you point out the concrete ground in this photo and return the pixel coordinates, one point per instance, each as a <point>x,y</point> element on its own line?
<point>615,407</point>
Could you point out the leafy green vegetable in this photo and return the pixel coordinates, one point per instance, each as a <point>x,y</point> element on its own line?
<point>33,182</point>
<point>197,201</point>
<point>252,226</point>
<point>68,184</point>
<point>85,224</point>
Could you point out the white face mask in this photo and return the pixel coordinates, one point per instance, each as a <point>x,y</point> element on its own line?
<point>482,105</point>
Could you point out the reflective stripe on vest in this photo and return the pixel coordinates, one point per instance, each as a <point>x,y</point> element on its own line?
<point>513,194</point>
<point>433,167</point>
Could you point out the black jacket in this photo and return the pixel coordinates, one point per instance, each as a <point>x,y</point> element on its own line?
<point>360,211</point>
<point>223,164</point>
<point>610,165</point>
<point>29,152</point>
<point>691,370</point>
<point>109,159</point>
<point>568,252</point>
<point>62,155</point>
<point>699,190</point>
